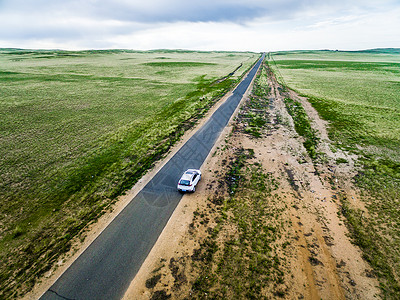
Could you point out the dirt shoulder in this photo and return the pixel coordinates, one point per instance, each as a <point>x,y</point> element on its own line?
<point>310,254</point>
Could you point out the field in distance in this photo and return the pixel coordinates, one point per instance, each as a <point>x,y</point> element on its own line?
<point>79,128</point>
<point>359,94</point>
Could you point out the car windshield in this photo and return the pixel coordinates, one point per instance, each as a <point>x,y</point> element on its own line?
<point>184,182</point>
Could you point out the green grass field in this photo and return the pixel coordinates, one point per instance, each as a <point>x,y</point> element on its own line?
<point>360,90</point>
<point>79,128</point>
<point>359,94</point>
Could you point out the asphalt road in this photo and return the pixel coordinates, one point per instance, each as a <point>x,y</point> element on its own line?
<point>106,268</point>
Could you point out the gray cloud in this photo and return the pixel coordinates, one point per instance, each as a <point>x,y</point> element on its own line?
<point>179,10</point>
<point>102,20</point>
<point>150,11</point>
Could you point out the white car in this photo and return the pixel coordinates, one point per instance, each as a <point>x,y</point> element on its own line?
<point>188,181</point>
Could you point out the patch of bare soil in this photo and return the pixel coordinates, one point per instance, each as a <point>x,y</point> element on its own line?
<point>321,261</point>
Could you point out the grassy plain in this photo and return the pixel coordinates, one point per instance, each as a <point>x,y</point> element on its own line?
<point>359,94</point>
<point>79,128</point>
<point>358,91</point>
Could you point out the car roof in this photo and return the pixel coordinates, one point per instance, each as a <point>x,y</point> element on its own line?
<point>187,176</point>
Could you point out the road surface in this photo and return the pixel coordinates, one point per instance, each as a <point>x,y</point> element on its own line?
<point>106,268</point>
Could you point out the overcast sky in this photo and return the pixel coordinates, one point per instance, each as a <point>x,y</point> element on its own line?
<point>255,25</point>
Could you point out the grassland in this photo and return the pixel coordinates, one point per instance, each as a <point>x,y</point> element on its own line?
<point>359,94</point>
<point>79,128</point>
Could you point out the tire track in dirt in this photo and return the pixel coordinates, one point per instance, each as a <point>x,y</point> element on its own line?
<point>338,268</point>
<point>318,267</point>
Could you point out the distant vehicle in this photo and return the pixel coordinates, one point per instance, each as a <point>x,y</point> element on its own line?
<point>188,181</point>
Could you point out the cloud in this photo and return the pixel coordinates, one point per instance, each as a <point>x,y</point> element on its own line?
<point>151,11</point>
<point>216,24</point>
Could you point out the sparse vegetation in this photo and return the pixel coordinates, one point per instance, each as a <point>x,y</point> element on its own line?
<point>246,264</point>
<point>302,126</point>
<point>255,118</point>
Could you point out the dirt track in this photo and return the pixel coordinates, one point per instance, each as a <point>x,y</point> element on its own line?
<point>322,261</point>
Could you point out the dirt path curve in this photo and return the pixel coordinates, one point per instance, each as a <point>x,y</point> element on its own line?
<point>321,260</point>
